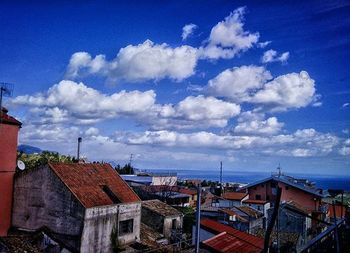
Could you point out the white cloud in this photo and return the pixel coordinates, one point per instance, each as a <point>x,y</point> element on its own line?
<point>188,30</point>
<point>264,44</point>
<point>230,33</point>
<point>92,131</point>
<point>254,124</point>
<point>287,91</point>
<point>345,105</point>
<point>238,83</point>
<point>69,99</point>
<point>344,151</point>
<point>146,61</point>
<point>272,56</point>
<point>306,142</point>
<point>193,112</point>
<point>346,131</point>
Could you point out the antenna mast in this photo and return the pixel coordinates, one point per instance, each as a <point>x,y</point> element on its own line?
<point>6,90</point>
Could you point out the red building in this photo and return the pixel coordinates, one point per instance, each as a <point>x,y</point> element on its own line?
<point>299,191</point>
<point>9,128</point>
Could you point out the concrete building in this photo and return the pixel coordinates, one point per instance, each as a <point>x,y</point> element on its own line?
<point>168,179</point>
<point>87,206</point>
<point>9,128</point>
<point>161,217</point>
<point>260,205</point>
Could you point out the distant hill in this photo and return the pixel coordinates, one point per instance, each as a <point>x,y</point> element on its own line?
<point>27,149</point>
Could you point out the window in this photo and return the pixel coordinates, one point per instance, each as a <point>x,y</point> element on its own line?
<point>126,227</point>
<point>257,197</point>
<point>262,186</point>
<point>273,184</point>
<point>173,224</point>
<point>111,194</point>
<point>287,187</point>
<point>259,208</point>
<point>267,197</point>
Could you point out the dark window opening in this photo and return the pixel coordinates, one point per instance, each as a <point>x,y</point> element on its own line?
<point>262,186</point>
<point>273,184</point>
<point>126,227</point>
<point>257,197</point>
<point>111,194</point>
<point>267,197</point>
<point>173,224</point>
<point>287,187</point>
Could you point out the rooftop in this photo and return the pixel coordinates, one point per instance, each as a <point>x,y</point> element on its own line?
<point>160,208</point>
<point>94,184</point>
<point>234,195</point>
<point>301,184</point>
<point>7,119</point>
<point>187,191</point>
<point>226,236</point>
<point>249,211</point>
<point>255,201</point>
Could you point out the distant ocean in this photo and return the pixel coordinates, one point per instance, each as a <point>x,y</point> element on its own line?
<point>322,181</point>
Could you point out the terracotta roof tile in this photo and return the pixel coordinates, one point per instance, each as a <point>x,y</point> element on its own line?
<point>255,201</point>
<point>161,208</point>
<point>7,119</point>
<point>234,195</point>
<point>228,236</point>
<point>86,182</point>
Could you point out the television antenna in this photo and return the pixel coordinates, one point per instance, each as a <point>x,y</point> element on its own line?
<point>6,90</point>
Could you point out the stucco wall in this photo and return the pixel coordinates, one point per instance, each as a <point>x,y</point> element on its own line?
<point>8,157</point>
<point>100,221</point>
<point>41,199</point>
<point>288,194</point>
<point>153,220</point>
<point>168,224</point>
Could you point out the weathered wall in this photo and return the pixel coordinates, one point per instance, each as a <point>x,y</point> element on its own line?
<point>153,220</point>
<point>8,157</point>
<point>41,199</point>
<point>100,221</point>
<point>164,180</point>
<point>168,225</point>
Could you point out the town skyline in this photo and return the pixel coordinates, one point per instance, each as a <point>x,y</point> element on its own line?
<point>183,90</point>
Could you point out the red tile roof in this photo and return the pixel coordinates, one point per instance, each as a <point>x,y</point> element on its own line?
<point>187,191</point>
<point>234,195</point>
<point>7,119</point>
<point>86,181</point>
<point>228,236</point>
<point>255,201</point>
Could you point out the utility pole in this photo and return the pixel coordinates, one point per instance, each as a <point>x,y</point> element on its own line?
<point>221,189</point>
<point>130,160</point>
<point>198,218</point>
<point>78,151</point>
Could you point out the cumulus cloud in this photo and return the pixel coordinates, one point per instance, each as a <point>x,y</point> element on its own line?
<point>255,124</point>
<point>135,63</point>
<point>228,38</point>
<point>294,90</point>
<point>238,83</point>
<point>346,105</point>
<point>305,142</point>
<point>188,30</point>
<point>70,99</point>
<point>264,44</point>
<point>272,56</point>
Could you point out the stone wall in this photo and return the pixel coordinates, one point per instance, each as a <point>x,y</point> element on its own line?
<point>41,199</point>
<point>100,222</point>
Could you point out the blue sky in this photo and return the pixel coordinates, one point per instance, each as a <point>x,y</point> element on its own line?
<point>184,85</point>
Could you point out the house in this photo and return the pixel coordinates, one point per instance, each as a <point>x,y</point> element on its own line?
<point>217,237</point>
<point>87,206</point>
<point>161,217</point>
<point>300,191</point>
<point>251,219</point>
<point>260,205</point>
<point>168,179</point>
<point>230,199</point>
<point>192,193</point>
<point>9,128</point>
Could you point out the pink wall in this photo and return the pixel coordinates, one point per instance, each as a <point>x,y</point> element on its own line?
<point>301,198</point>
<point>8,159</point>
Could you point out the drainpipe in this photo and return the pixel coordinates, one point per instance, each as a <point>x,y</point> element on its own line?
<point>198,218</point>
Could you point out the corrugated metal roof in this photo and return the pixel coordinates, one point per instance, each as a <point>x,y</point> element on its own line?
<point>86,182</point>
<point>229,239</point>
<point>250,242</point>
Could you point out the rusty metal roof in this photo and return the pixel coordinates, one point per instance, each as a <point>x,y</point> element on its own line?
<point>88,180</point>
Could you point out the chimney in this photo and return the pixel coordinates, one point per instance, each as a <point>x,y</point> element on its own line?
<point>9,128</point>
<point>78,151</point>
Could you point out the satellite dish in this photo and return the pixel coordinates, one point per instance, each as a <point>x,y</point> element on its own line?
<point>21,165</point>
